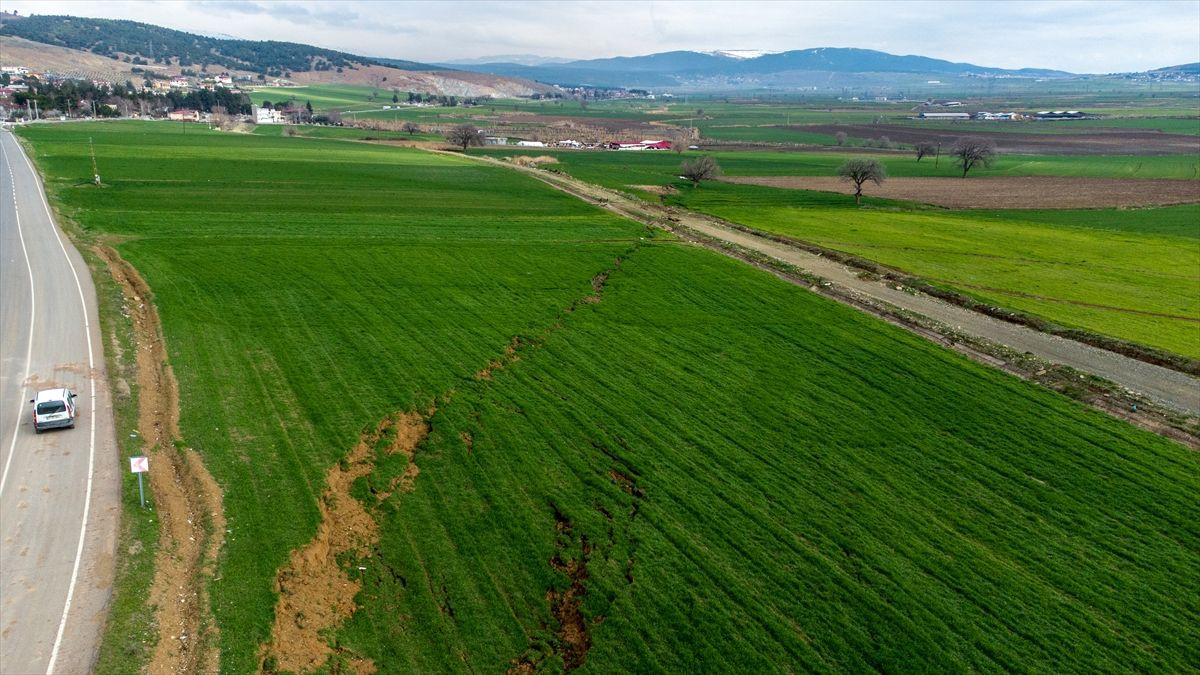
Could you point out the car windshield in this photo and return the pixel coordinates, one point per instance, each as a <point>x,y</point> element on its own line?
<point>51,407</point>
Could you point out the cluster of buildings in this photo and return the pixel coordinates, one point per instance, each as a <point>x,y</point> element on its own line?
<point>981,115</point>
<point>184,83</point>
<point>1006,116</point>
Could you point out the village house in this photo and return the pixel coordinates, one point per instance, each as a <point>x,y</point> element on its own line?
<point>184,115</point>
<point>268,116</point>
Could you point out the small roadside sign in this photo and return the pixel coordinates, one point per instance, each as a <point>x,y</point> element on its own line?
<point>140,465</point>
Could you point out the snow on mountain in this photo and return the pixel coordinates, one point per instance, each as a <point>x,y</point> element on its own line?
<point>740,53</point>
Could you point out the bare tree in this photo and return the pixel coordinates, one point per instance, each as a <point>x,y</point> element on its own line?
<point>840,137</point>
<point>464,135</point>
<point>411,128</point>
<point>860,171</point>
<point>969,152</point>
<point>924,149</point>
<point>700,168</point>
<point>219,117</point>
<point>679,143</point>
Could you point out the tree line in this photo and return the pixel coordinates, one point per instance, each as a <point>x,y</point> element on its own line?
<point>141,43</point>
<point>69,96</point>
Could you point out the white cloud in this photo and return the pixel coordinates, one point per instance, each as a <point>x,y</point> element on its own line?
<point>1074,35</point>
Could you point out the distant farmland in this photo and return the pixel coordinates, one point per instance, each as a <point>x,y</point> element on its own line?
<point>627,453</point>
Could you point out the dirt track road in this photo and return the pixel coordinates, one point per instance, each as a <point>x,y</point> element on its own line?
<point>1167,387</point>
<point>59,489</point>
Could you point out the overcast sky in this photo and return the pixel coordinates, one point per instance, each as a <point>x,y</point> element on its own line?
<point>1075,35</point>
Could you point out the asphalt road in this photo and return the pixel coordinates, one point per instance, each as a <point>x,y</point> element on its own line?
<point>59,489</point>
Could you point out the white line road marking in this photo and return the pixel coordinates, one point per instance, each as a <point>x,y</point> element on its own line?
<point>12,447</point>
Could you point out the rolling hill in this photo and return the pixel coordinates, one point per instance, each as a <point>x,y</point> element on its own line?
<point>109,49</point>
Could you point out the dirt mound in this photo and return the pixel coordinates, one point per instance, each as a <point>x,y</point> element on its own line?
<point>525,160</point>
<point>188,500</point>
<point>657,189</point>
<point>315,593</point>
<point>1007,192</point>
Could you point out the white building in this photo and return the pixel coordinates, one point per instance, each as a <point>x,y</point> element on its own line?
<point>267,116</point>
<point>531,144</point>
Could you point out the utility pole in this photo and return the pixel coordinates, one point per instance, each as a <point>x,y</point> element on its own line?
<point>95,171</point>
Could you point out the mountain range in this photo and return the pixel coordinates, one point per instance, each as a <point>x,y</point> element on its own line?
<point>683,68</point>
<point>115,49</point>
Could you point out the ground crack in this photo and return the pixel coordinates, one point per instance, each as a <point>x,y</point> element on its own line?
<point>316,593</point>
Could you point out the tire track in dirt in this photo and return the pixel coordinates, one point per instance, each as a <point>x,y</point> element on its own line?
<point>187,498</point>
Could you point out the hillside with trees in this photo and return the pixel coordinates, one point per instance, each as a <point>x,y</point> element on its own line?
<point>140,43</point>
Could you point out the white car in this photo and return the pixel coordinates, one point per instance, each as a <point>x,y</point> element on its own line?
<point>53,408</point>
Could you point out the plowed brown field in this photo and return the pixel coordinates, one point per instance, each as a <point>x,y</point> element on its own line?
<point>1009,192</point>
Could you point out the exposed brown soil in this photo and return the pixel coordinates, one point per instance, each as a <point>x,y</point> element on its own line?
<point>1114,141</point>
<point>657,189</point>
<point>315,593</point>
<point>609,124</point>
<point>526,160</point>
<point>188,499</point>
<point>551,128</point>
<point>448,82</point>
<point>1007,192</point>
<point>574,634</point>
<point>510,356</point>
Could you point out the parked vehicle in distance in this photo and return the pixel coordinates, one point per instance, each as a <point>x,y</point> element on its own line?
<point>53,408</point>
